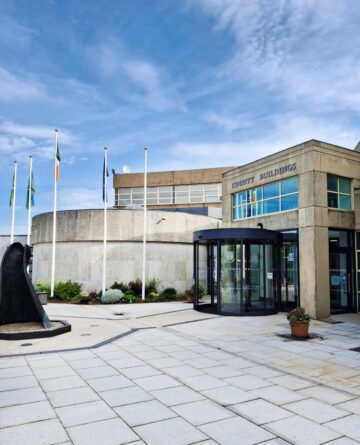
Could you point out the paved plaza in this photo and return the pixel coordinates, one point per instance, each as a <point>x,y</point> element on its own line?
<point>177,377</point>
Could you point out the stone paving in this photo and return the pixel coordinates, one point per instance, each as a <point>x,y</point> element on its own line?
<point>223,380</point>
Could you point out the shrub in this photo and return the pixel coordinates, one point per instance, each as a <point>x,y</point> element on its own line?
<point>67,290</point>
<point>136,286</point>
<point>169,293</point>
<point>120,285</point>
<point>180,296</point>
<point>111,296</point>
<point>41,286</point>
<point>130,293</point>
<point>152,285</point>
<point>128,297</point>
<point>152,296</point>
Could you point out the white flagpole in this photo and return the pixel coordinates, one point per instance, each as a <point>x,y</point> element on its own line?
<point>144,237</point>
<point>105,220</point>
<point>13,205</point>
<point>54,220</point>
<point>29,202</point>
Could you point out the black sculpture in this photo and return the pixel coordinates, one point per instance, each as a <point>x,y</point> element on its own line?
<point>18,300</point>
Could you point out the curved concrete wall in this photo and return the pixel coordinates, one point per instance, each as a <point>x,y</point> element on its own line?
<point>79,246</point>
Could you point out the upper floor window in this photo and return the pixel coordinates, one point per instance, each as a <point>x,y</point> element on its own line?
<point>270,198</point>
<point>178,194</point>
<point>339,192</point>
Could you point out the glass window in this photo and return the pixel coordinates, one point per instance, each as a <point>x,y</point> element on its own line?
<point>289,186</point>
<point>271,198</point>
<point>289,202</point>
<point>271,190</point>
<point>339,192</point>
<point>332,183</point>
<point>271,205</point>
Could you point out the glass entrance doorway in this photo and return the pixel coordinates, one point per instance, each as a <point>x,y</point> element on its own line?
<point>242,271</point>
<point>341,271</point>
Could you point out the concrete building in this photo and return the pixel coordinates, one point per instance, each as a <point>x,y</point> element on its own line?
<point>289,235</point>
<point>309,195</point>
<point>174,189</point>
<point>79,247</point>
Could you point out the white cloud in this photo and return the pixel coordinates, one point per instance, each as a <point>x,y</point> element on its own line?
<point>228,121</point>
<point>15,88</point>
<point>287,130</point>
<point>82,198</point>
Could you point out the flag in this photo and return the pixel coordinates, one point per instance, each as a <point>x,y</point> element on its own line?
<point>31,190</point>
<point>12,191</point>
<point>57,163</point>
<point>105,175</point>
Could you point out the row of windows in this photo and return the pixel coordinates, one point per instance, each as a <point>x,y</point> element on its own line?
<point>283,195</point>
<point>270,198</point>
<point>178,194</point>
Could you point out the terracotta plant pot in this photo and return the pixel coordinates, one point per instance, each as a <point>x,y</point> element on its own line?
<point>299,329</point>
<point>189,298</point>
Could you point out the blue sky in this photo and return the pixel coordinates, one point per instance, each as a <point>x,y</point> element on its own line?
<point>202,83</point>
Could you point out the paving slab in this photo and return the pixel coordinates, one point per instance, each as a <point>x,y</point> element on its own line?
<point>144,412</point>
<point>329,395</point>
<point>46,432</point>
<point>98,371</point>
<point>72,396</point>
<point>177,395</point>
<point>173,431</point>
<point>20,396</point>
<point>260,411</point>
<point>204,411</point>
<point>26,413</point>
<point>348,426</point>
<point>125,396</point>
<point>140,371</point>
<point>73,415</point>
<point>156,382</point>
<point>247,381</point>
<point>292,382</point>
<point>183,371</point>
<point>8,384</point>
<point>235,431</point>
<point>278,395</point>
<point>110,383</point>
<point>300,431</point>
<point>228,395</point>
<point>316,410</point>
<point>105,432</point>
<point>62,383</point>
<point>202,382</point>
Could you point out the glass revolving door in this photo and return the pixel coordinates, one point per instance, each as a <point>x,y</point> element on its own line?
<point>242,276</point>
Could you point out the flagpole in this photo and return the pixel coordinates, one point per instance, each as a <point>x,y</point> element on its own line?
<point>105,219</point>
<point>13,205</point>
<point>29,202</point>
<point>144,236</point>
<point>54,220</point>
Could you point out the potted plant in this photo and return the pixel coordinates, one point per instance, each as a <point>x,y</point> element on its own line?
<point>189,295</point>
<point>299,322</point>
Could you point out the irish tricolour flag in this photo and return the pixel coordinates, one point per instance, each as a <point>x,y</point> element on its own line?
<point>57,162</point>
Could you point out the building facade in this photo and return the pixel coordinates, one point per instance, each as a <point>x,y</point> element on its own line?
<point>310,194</point>
<point>173,189</point>
<point>79,246</point>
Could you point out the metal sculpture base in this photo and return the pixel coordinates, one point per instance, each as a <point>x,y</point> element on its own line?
<point>59,327</point>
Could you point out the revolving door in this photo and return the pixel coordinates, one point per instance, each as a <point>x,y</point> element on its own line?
<point>236,271</point>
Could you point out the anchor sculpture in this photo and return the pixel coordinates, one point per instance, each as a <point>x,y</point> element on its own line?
<point>18,300</point>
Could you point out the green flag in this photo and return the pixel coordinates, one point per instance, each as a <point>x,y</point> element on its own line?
<point>12,191</point>
<point>31,190</point>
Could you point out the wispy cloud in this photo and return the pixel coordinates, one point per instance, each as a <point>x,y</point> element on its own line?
<point>14,87</point>
<point>306,50</point>
<point>229,121</point>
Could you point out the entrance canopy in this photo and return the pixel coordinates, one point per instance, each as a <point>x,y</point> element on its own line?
<point>236,271</point>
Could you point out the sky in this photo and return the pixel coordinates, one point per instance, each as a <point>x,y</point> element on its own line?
<point>201,83</point>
